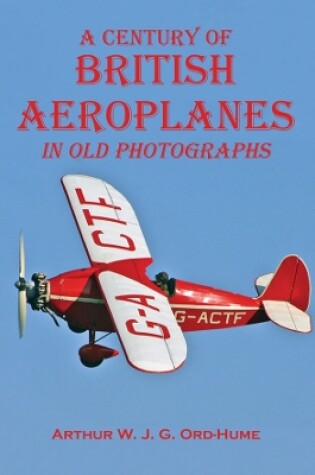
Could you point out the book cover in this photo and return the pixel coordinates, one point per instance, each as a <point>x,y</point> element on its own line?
<point>200,114</point>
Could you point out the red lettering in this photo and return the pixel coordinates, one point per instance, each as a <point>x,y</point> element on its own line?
<point>144,109</point>
<point>33,114</point>
<point>254,111</point>
<point>101,201</point>
<point>111,114</point>
<point>87,37</point>
<point>138,299</point>
<point>200,115</point>
<point>125,433</point>
<point>97,240</point>
<point>226,69</point>
<point>138,70</point>
<point>286,116</point>
<point>90,219</point>
<point>157,59</point>
<point>57,114</point>
<point>105,37</point>
<point>200,70</point>
<point>92,115</point>
<point>163,331</point>
<point>88,65</point>
<point>57,434</point>
<point>232,116</point>
<point>116,63</point>
<point>166,118</point>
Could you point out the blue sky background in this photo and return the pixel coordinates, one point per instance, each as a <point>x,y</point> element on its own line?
<point>220,223</point>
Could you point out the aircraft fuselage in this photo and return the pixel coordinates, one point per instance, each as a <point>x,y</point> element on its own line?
<point>76,296</point>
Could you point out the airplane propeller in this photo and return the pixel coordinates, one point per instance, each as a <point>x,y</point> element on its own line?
<point>28,291</point>
<point>21,286</point>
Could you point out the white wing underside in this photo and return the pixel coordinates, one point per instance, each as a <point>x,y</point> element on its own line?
<point>142,316</point>
<point>149,333</point>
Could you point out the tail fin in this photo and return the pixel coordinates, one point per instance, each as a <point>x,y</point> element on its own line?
<point>290,283</point>
<point>287,296</point>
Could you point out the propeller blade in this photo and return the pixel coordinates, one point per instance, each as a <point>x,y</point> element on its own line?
<point>22,311</point>
<point>22,258</point>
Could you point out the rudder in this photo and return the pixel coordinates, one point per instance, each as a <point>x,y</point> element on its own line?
<point>287,296</point>
<point>290,283</point>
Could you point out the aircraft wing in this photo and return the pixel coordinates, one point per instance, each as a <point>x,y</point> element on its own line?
<point>142,316</point>
<point>145,323</point>
<point>107,223</point>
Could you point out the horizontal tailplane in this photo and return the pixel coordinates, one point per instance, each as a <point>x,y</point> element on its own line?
<point>287,316</point>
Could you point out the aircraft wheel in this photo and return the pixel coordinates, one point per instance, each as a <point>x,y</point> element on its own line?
<point>89,364</point>
<point>91,355</point>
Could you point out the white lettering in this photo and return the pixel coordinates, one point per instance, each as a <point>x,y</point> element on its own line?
<point>214,317</point>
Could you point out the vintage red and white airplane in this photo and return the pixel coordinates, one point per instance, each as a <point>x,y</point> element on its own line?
<point>115,294</point>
